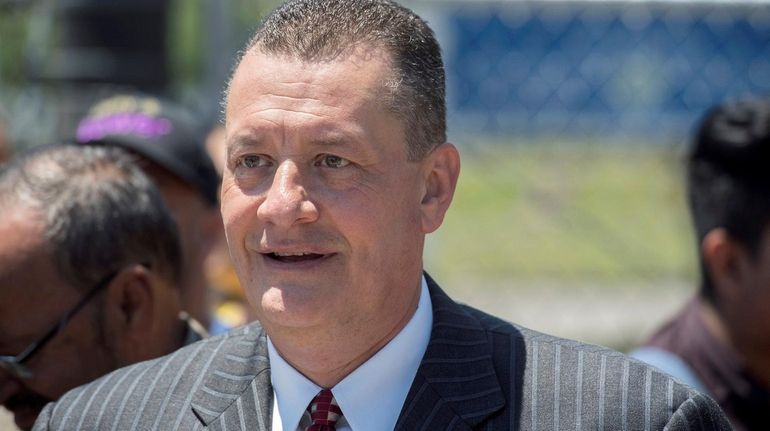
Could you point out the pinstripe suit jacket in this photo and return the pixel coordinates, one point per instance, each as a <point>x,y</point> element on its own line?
<point>478,373</point>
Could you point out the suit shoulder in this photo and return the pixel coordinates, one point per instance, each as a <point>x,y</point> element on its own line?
<point>500,327</point>
<point>598,386</point>
<point>163,384</point>
<point>530,341</point>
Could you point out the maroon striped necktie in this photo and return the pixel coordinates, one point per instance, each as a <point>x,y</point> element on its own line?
<point>324,412</point>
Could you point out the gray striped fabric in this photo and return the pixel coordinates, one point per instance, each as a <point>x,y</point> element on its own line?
<point>478,373</point>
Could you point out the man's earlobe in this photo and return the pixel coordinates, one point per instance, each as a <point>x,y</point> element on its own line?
<point>726,262</point>
<point>442,171</point>
<point>130,304</point>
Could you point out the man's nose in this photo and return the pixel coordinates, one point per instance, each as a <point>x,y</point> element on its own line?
<point>287,202</point>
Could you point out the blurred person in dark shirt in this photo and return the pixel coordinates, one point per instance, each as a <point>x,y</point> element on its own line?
<point>171,148</point>
<point>720,340</point>
<point>89,272</point>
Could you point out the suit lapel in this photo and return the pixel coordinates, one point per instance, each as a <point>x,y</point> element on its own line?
<point>237,379</point>
<point>456,386</point>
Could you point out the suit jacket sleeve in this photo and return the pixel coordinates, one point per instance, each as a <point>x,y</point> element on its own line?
<point>698,413</point>
<point>43,419</point>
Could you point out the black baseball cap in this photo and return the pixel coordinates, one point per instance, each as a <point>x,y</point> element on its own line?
<point>156,129</point>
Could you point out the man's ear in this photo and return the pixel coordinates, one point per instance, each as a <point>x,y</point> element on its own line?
<point>442,168</point>
<point>130,310</point>
<point>727,262</point>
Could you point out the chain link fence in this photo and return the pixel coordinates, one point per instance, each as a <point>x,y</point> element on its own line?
<point>582,70</point>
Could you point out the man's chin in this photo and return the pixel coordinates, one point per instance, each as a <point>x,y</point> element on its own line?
<point>24,417</point>
<point>25,409</point>
<point>294,306</point>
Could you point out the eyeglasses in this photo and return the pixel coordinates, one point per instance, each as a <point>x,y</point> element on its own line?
<point>14,365</point>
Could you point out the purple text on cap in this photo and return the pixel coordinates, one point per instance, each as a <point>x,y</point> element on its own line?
<point>123,124</point>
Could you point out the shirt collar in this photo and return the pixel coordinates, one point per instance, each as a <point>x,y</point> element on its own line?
<point>391,371</point>
<point>293,391</point>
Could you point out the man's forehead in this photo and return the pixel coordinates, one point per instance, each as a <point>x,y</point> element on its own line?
<point>27,266</point>
<point>21,235</point>
<point>29,281</point>
<point>356,67</point>
<point>355,51</point>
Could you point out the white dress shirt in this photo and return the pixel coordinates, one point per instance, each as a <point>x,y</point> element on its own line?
<point>372,395</point>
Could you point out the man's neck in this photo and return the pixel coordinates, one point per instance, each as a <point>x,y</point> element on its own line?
<point>715,323</point>
<point>320,355</point>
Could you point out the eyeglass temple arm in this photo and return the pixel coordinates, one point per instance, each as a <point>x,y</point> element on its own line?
<point>63,321</point>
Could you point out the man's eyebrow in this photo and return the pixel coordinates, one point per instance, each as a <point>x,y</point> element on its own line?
<point>332,141</point>
<point>11,339</point>
<point>250,141</point>
<point>241,141</point>
<point>337,138</point>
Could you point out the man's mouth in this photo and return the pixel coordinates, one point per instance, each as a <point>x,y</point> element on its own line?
<point>294,257</point>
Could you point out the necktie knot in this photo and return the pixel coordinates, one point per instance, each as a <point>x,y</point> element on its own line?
<point>324,412</point>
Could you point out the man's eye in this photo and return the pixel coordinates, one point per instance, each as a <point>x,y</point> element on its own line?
<point>331,161</point>
<point>252,161</point>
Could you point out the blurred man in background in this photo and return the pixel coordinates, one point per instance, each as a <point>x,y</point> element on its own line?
<point>172,152</point>
<point>720,340</point>
<point>89,273</point>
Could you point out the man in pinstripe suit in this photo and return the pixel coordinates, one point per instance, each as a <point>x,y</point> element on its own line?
<point>337,168</point>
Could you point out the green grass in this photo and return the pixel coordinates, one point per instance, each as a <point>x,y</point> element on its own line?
<point>579,213</point>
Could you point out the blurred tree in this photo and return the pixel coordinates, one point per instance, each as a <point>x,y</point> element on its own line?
<point>13,33</point>
<point>57,56</point>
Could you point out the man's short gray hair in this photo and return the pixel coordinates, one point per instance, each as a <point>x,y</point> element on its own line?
<point>99,211</point>
<point>322,30</point>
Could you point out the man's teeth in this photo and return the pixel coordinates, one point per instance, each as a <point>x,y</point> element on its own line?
<point>292,254</point>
